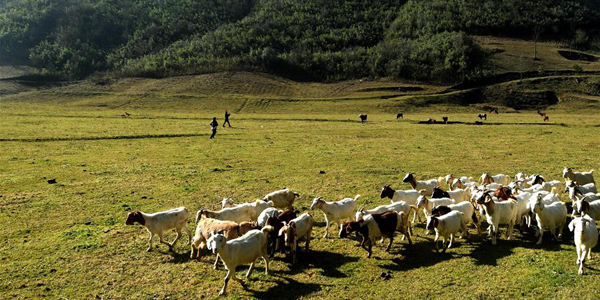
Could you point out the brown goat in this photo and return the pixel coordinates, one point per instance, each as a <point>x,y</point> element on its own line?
<point>277,223</point>
<point>504,193</point>
<point>206,226</point>
<point>381,225</point>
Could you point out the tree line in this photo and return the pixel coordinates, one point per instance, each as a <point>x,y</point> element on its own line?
<point>426,40</point>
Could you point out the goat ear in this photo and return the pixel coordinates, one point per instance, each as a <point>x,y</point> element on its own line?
<point>585,206</point>
<point>293,225</point>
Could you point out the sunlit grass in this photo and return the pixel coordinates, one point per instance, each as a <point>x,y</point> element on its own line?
<point>69,240</point>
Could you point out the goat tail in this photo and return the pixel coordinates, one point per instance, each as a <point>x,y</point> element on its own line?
<point>356,197</point>
<point>267,228</point>
<point>198,216</point>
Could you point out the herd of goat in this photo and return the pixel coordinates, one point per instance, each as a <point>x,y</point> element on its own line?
<point>241,233</point>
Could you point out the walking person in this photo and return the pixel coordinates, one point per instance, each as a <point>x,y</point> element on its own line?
<point>227,114</point>
<point>214,126</point>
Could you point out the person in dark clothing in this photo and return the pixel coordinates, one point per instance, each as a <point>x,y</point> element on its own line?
<point>214,126</point>
<point>227,114</point>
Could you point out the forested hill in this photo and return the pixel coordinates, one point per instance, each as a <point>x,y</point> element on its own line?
<point>427,40</point>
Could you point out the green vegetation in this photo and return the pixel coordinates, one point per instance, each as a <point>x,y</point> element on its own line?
<point>69,240</point>
<point>427,40</point>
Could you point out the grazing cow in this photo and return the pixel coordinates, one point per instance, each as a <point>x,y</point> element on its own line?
<point>546,118</point>
<point>127,114</point>
<point>431,121</point>
<point>363,118</point>
<point>542,114</point>
<point>494,110</point>
<point>399,116</point>
<point>482,116</point>
<point>445,120</point>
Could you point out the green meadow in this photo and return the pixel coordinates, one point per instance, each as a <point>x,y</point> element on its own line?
<point>69,239</point>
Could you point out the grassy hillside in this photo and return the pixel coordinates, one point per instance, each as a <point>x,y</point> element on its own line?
<point>428,40</point>
<point>534,86</point>
<point>515,55</point>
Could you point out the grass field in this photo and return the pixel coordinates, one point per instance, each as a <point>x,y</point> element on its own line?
<point>69,240</point>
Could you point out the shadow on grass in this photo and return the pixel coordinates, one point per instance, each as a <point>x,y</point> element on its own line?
<point>420,254</point>
<point>177,257</point>
<point>286,288</point>
<point>327,262</point>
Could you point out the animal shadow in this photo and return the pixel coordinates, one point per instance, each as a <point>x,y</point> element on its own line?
<point>327,262</point>
<point>286,288</point>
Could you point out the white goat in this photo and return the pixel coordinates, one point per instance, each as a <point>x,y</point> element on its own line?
<point>282,198</point>
<point>585,234</point>
<point>499,213</point>
<point>547,198</point>
<point>447,226</point>
<point>499,179</point>
<point>428,204</point>
<point>408,196</point>
<point>335,212</point>
<point>243,250</point>
<point>227,202</point>
<point>523,200</point>
<point>579,177</point>
<point>265,214</point>
<point>460,195</point>
<point>461,182</point>
<point>240,213</point>
<point>549,217</point>
<point>581,206</point>
<point>573,189</point>
<point>158,223</point>
<point>466,208</point>
<point>427,185</point>
<point>300,227</point>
